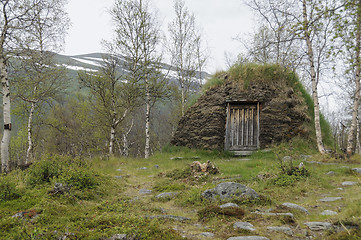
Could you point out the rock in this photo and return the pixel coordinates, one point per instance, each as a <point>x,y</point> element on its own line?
<point>229,190</point>
<point>119,177</point>
<point>273,214</point>
<point>328,213</point>
<point>166,195</point>
<point>285,230</point>
<point>60,188</point>
<point>287,158</point>
<point>330,199</point>
<point>119,170</point>
<point>176,158</point>
<point>156,166</point>
<point>295,206</point>
<point>145,191</point>
<point>243,226</point>
<point>305,157</point>
<point>143,168</point>
<point>172,217</point>
<point>358,170</point>
<point>330,173</point>
<point>227,205</point>
<point>118,237</point>
<point>348,183</point>
<point>207,234</point>
<point>248,238</point>
<point>318,226</point>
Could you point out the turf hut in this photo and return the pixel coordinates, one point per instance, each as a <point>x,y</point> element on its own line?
<point>246,108</point>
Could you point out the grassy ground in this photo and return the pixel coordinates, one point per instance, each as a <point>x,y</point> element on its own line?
<point>100,204</point>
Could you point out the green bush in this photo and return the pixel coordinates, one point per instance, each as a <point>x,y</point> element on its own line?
<point>80,178</point>
<point>8,190</point>
<point>45,170</point>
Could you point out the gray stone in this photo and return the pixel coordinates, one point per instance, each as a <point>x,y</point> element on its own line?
<point>156,166</point>
<point>348,183</point>
<point>227,205</point>
<point>330,199</point>
<point>229,190</point>
<point>119,177</point>
<point>145,191</point>
<point>305,157</point>
<point>285,230</point>
<point>330,173</point>
<point>172,217</point>
<point>358,170</point>
<point>207,234</point>
<point>119,170</point>
<point>143,168</point>
<point>318,226</point>
<point>248,238</point>
<point>287,158</point>
<point>273,214</point>
<point>118,237</point>
<point>176,158</point>
<point>244,226</point>
<point>328,213</point>
<point>166,195</point>
<point>295,206</point>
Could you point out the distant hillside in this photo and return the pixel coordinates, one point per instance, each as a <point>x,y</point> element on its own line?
<point>91,62</point>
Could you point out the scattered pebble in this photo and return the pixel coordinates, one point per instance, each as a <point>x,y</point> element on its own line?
<point>318,226</point>
<point>328,213</point>
<point>349,183</point>
<point>207,234</point>
<point>330,199</point>
<point>227,205</point>
<point>244,226</point>
<point>285,229</point>
<point>295,206</point>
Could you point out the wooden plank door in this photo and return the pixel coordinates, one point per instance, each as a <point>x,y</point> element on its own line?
<point>242,129</point>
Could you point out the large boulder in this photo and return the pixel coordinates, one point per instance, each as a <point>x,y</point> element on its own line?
<point>228,190</point>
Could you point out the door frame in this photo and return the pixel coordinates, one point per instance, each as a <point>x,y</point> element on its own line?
<point>227,144</point>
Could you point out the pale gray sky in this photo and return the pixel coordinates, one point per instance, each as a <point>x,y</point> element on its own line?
<point>221,21</point>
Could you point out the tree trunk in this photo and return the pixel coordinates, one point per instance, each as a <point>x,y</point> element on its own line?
<point>147,124</point>
<point>310,55</point>
<point>183,98</point>
<point>5,154</point>
<point>351,135</point>
<point>112,139</point>
<point>29,152</point>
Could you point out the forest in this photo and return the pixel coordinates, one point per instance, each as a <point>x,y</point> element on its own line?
<point>129,106</point>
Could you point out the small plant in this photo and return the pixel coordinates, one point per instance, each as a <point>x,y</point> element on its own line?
<point>45,170</point>
<point>80,178</point>
<point>8,190</point>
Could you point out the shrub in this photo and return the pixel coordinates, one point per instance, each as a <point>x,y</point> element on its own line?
<point>8,190</point>
<point>80,178</point>
<point>45,170</point>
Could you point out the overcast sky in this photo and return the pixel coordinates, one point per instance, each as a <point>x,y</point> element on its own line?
<point>221,21</point>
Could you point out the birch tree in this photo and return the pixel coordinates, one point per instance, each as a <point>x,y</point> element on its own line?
<point>310,26</point>
<point>16,17</point>
<point>349,35</point>
<point>38,78</point>
<point>137,39</point>
<point>184,49</point>
<point>114,97</point>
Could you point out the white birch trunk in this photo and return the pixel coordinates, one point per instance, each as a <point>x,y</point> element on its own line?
<point>310,55</point>
<point>112,139</point>
<point>147,124</point>
<point>5,143</point>
<point>351,135</point>
<point>29,152</point>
